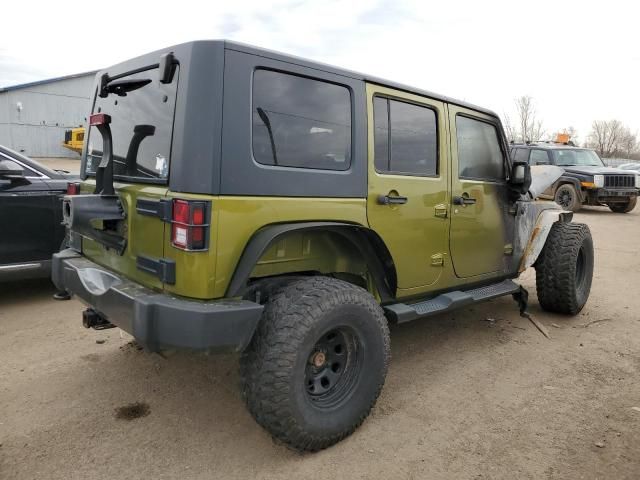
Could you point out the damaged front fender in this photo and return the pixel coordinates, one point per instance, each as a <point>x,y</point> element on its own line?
<point>535,219</point>
<point>539,235</point>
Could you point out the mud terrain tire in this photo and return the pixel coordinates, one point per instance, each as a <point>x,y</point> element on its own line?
<point>316,363</point>
<point>564,269</point>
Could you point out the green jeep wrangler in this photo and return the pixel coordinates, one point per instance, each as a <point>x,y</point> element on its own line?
<point>237,199</point>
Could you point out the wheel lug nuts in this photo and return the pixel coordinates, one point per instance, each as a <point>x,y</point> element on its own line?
<point>318,359</point>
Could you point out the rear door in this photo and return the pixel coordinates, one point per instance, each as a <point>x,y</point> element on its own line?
<point>141,127</point>
<point>26,217</point>
<point>408,182</point>
<point>481,224</point>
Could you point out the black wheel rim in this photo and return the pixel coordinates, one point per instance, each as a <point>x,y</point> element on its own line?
<point>565,198</point>
<point>333,368</point>
<point>581,270</point>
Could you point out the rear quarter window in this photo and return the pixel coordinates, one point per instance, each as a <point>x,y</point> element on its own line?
<point>300,122</point>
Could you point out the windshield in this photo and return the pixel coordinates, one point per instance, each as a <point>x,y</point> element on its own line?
<point>141,110</point>
<point>575,157</point>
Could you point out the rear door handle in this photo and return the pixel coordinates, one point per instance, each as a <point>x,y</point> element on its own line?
<point>392,200</point>
<point>464,200</point>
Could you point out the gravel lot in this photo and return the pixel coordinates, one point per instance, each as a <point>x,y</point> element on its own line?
<point>477,394</point>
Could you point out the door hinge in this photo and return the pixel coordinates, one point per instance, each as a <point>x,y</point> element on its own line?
<point>155,208</point>
<point>163,268</point>
<point>437,259</point>
<point>441,210</point>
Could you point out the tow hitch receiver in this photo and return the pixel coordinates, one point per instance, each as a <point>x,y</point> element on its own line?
<point>92,319</point>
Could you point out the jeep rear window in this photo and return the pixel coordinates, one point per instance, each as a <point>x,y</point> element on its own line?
<point>147,110</point>
<point>300,122</point>
<point>410,146</point>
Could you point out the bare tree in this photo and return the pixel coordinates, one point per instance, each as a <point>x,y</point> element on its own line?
<point>628,143</point>
<point>605,136</point>
<point>537,130</point>
<point>530,128</point>
<point>509,129</point>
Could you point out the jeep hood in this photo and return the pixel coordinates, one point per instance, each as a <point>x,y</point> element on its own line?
<point>594,170</point>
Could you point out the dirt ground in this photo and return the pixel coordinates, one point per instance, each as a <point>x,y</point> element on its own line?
<point>479,394</point>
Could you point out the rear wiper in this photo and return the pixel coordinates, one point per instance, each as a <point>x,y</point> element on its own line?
<point>121,87</point>
<point>166,67</point>
<point>265,119</point>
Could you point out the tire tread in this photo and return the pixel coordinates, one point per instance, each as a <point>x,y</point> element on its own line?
<point>272,354</point>
<point>556,268</point>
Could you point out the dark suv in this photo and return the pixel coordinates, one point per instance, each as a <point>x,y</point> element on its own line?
<point>586,179</point>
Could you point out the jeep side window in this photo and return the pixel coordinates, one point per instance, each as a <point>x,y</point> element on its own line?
<point>521,155</point>
<point>479,153</point>
<point>410,145</point>
<point>300,122</point>
<point>539,157</point>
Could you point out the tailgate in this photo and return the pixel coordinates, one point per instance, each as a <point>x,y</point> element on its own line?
<point>144,236</point>
<point>127,164</point>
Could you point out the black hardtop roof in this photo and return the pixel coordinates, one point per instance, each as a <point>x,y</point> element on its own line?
<point>241,47</point>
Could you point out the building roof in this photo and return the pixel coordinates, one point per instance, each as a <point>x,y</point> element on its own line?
<point>48,80</point>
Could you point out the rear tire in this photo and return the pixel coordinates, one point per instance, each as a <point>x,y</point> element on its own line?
<point>568,198</point>
<point>624,207</point>
<point>316,363</point>
<point>564,269</point>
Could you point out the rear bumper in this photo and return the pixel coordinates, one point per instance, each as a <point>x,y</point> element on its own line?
<point>156,320</point>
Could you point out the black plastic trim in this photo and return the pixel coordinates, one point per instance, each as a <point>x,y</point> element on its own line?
<point>157,321</point>
<point>155,208</point>
<point>164,269</point>
<point>382,269</point>
<point>449,300</point>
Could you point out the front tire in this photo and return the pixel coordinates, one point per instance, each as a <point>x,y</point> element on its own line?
<point>564,269</point>
<point>317,362</point>
<point>568,198</point>
<point>624,207</point>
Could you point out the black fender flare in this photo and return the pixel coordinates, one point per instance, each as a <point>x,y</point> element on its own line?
<point>564,179</point>
<point>369,243</point>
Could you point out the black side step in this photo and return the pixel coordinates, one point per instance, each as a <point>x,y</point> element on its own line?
<point>402,312</point>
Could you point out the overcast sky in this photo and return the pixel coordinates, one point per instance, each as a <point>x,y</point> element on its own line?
<point>580,61</point>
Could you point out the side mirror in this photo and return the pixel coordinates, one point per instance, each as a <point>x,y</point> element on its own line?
<point>520,180</point>
<point>10,170</point>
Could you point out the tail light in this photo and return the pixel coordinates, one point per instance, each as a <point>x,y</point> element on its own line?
<point>73,188</point>
<point>189,229</point>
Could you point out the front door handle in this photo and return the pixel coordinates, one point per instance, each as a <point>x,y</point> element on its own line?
<point>465,199</point>
<point>392,200</point>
